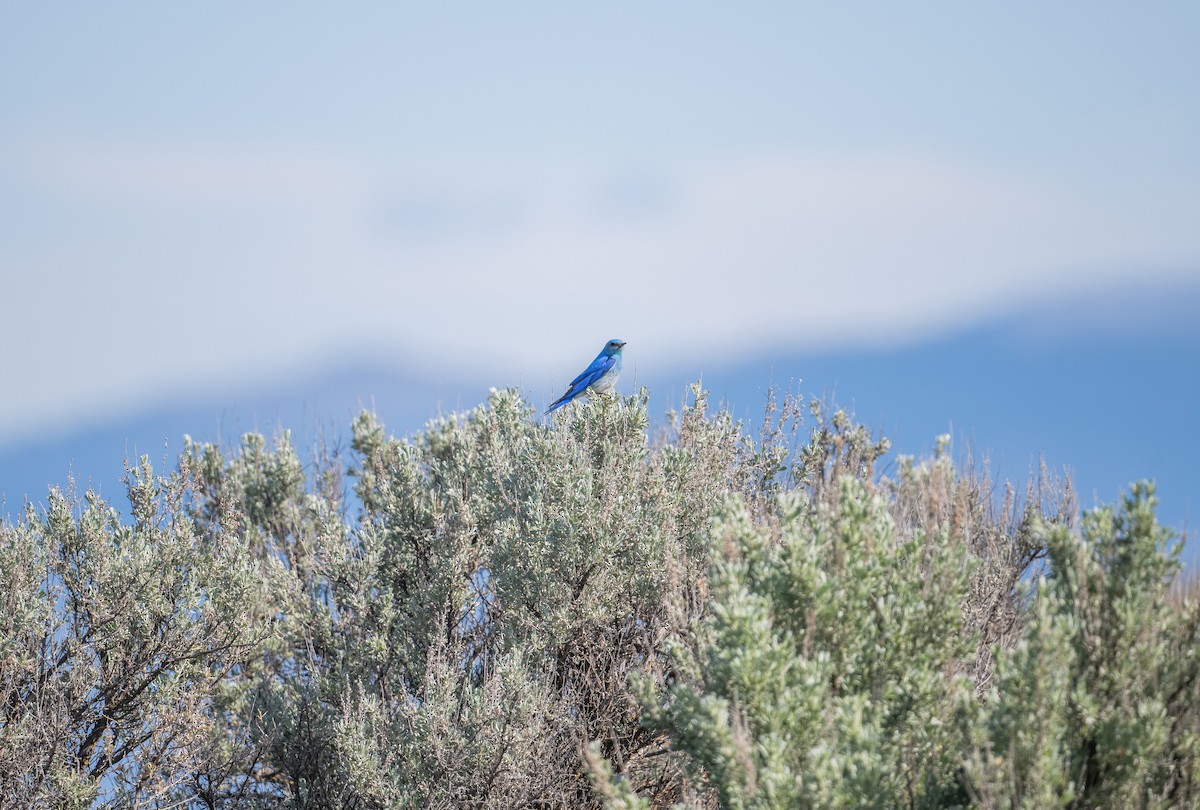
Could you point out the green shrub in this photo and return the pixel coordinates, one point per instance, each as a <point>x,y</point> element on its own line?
<point>502,612</point>
<point>1097,706</point>
<point>827,669</point>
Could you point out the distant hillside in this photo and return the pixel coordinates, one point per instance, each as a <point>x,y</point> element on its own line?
<point>1106,386</point>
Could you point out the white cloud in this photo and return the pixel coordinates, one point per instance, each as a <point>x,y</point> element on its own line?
<point>176,271</point>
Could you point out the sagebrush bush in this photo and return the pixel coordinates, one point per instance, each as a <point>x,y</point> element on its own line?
<point>501,612</point>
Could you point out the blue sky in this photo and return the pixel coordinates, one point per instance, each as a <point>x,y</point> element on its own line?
<point>200,201</point>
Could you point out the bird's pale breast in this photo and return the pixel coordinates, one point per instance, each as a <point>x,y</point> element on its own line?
<point>607,380</point>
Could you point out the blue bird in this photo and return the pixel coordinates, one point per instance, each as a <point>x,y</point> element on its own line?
<point>597,378</point>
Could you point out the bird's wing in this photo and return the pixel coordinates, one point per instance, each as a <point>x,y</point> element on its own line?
<point>589,375</point>
<point>594,372</point>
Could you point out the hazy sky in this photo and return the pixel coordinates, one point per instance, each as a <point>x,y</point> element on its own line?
<point>196,197</point>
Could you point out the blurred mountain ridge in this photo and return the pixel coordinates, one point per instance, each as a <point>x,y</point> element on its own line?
<point>1103,384</point>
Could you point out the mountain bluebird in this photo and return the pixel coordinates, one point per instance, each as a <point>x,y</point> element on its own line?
<point>597,378</point>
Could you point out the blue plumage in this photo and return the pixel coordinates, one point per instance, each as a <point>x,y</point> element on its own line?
<point>597,378</point>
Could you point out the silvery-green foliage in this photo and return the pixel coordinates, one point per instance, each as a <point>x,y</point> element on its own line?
<point>113,635</point>
<point>1097,706</point>
<point>826,671</point>
<point>839,661</point>
<point>273,723</point>
<point>938,497</point>
<point>461,638</point>
<point>501,611</point>
<point>615,793</point>
<point>516,574</point>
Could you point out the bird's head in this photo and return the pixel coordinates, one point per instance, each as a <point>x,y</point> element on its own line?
<point>614,346</point>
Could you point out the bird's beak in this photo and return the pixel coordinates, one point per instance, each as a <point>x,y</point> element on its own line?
<point>621,345</point>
